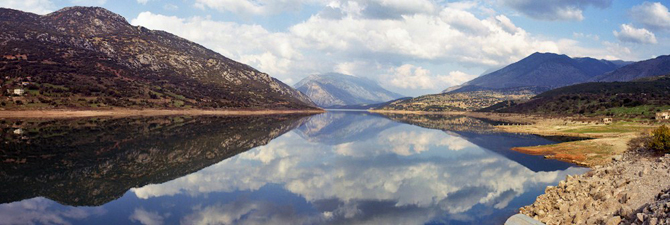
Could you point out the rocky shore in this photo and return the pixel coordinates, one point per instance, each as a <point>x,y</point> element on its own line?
<point>632,189</point>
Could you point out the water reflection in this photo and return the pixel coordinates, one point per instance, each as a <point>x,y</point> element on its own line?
<point>336,168</point>
<point>94,161</point>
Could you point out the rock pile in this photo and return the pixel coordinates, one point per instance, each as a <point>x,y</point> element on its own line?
<point>657,212</point>
<point>616,193</point>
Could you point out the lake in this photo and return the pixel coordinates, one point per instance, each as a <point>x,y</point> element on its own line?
<point>331,168</point>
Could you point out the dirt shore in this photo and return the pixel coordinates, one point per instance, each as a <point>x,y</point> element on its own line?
<point>68,113</point>
<point>602,141</point>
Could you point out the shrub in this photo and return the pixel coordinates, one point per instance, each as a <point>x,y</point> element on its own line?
<point>660,141</point>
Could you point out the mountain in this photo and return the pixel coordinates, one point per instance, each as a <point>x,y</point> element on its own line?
<point>334,89</point>
<point>648,68</point>
<point>641,97</point>
<point>541,71</point>
<point>334,128</point>
<point>91,57</point>
<point>85,162</point>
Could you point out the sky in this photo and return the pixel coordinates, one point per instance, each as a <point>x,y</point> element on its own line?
<point>412,47</point>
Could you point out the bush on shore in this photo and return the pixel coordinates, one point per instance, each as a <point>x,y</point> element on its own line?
<point>660,141</point>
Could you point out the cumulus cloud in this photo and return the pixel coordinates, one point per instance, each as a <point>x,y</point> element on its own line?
<point>363,171</point>
<point>34,6</point>
<point>631,34</point>
<point>555,10</point>
<point>346,37</point>
<point>43,211</point>
<point>412,77</point>
<point>652,15</point>
<point>145,217</point>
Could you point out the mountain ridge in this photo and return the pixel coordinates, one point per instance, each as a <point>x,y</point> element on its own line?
<point>336,90</point>
<point>647,68</point>
<point>543,71</point>
<point>95,55</point>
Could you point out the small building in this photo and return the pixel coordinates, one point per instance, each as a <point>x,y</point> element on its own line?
<point>606,120</point>
<point>663,115</point>
<point>25,83</point>
<point>19,131</point>
<point>18,91</point>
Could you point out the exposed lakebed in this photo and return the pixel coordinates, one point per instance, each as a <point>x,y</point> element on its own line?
<point>331,168</point>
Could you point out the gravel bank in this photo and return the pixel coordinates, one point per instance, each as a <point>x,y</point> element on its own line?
<point>633,189</point>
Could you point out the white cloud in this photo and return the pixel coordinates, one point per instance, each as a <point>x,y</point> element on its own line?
<point>555,9</point>
<point>631,34</point>
<point>43,211</point>
<point>357,171</point>
<point>34,6</point>
<point>251,7</point>
<point>170,7</point>
<point>409,76</point>
<point>143,2</point>
<point>145,217</point>
<point>652,15</point>
<point>346,37</point>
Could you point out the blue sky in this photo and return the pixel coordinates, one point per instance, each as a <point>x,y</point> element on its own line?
<point>411,47</point>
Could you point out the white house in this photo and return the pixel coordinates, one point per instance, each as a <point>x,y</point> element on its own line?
<point>19,91</point>
<point>663,115</point>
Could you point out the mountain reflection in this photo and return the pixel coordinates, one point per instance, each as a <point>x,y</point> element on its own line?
<point>94,161</point>
<point>336,168</point>
<point>340,127</point>
<point>483,134</point>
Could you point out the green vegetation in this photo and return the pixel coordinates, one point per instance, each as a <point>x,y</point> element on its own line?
<point>660,141</point>
<point>465,101</point>
<point>642,111</point>
<point>637,99</point>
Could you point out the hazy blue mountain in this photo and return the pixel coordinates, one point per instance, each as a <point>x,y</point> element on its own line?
<point>648,68</point>
<point>334,89</point>
<point>334,128</point>
<point>541,71</point>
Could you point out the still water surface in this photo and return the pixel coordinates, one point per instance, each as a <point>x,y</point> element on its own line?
<point>332,168</point>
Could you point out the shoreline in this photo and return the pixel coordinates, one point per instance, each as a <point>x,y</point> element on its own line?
<point>121,112</point>
<point>415,112</point>
<point>626,184</point>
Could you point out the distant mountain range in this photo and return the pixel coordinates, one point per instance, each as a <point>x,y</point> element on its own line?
<point>647,68</point>
<point>541,71</point>
<point>336,90</point>
<point>90,57</point>
<point>649,94</point>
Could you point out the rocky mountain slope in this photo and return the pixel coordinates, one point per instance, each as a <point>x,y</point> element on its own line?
<point>541,71</point>
<point>335,89</point>
<point>91,57</point>
<point>647,68</point>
